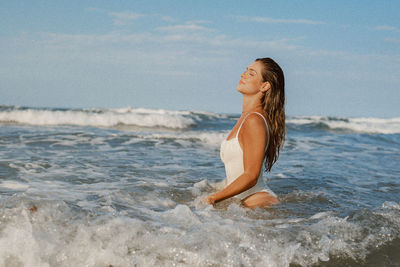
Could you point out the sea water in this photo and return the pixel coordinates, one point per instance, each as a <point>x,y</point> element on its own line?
<point>124,187</point>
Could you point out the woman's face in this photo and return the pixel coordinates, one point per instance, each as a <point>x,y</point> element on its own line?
<point>251,81</point>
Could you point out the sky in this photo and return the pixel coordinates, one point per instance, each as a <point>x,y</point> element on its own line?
<point>340,58</point>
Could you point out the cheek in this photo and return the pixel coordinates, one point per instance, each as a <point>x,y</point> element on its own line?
<point>255,83</point>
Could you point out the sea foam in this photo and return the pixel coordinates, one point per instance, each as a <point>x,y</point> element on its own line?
<point>361,125</point>
<point>99,117</point>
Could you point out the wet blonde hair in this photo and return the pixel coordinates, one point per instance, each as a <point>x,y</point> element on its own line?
<point>273,103</point>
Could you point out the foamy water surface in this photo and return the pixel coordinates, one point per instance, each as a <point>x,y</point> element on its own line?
<point>124,187</point>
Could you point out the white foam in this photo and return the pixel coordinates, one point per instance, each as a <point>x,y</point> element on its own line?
<point>362,125</point>
<point>391,205</point>
<point>102,118</point>
<point>205,137</point>
<point>55,235</point>
<point>13,185</point>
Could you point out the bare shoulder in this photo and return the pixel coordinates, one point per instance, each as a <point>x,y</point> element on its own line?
<point>254,125</point>
<point>253,136</point>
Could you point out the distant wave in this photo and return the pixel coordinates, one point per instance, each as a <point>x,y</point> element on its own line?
<point>182,120</point>
<point>103,117</point>
<point>360,125</point>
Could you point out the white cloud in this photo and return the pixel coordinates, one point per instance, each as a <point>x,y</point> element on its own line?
<point>183,27</point>
<point>118,40</point>
<point>124,18</point>
<point>278,21</point>
<point>124,49</point>
<point>200,21</point>
<point>386,28</point>
<point>167,18</point>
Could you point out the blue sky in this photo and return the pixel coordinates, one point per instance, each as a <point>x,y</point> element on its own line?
<point>340,58</point>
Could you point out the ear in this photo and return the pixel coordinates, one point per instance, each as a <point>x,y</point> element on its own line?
<point>265,87</point>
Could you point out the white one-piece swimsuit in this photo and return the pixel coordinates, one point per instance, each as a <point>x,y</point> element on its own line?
<point>232,156</point>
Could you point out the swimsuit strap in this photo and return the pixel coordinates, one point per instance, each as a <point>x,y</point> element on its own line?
<point>237,134</point>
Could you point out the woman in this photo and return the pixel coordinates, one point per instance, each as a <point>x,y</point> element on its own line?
<point>258,134</point>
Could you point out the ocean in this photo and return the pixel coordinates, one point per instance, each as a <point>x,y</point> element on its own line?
<point>124,187</point>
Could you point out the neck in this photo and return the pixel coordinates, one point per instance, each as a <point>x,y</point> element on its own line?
<point>251,103</point>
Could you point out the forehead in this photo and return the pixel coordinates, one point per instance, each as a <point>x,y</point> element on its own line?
<point>257,66</point>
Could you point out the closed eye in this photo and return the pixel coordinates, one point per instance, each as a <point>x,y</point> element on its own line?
<point>251,72</point>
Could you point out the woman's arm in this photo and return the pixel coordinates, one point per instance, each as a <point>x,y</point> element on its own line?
<point>252,139</point>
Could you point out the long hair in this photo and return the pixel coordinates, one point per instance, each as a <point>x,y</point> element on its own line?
<point>273,103</point>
